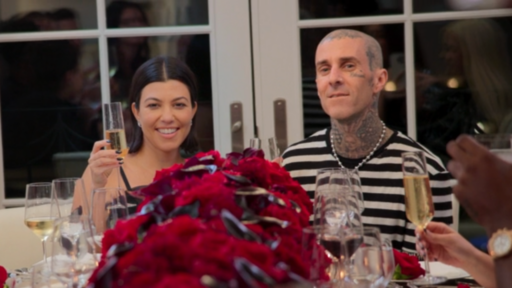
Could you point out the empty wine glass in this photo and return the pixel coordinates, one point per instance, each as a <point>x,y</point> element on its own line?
<point>388,261</point>
<point>41,276</point>
<point>346,208</point>
<point>64,191</point>
<point>255,143</point>
<point>498,144</point>
<point>418,202</point>
<point>108,206</point>
<point>73,254</point>
<point>273,149</point>
<point>365,269</point>
<point>355,182</point>
<point>323,177</point>
<point>39,215</point>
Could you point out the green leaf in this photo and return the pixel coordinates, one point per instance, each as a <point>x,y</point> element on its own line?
<point>397,275</point>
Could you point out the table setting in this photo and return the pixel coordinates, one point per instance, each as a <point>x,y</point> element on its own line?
<point>238,221</point>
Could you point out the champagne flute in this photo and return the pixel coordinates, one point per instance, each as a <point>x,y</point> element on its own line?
<point>114,128</point>
<point>39,215</point>
<point>418,202</point>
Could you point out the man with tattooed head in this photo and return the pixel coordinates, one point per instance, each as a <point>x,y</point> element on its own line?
<point>349,78</point>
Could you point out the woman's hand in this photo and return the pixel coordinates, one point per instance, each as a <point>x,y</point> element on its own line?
<point>102,162</point>
<point>444,244</point>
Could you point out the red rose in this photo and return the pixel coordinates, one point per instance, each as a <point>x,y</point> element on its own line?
<point>124,231</point>
<point>3,275</point>
<point>409,265</point>
<point>180,280</point>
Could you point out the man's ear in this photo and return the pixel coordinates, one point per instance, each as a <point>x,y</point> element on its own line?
<point>380,80</point>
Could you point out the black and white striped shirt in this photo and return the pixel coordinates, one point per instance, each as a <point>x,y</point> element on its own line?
<point>381,181</point>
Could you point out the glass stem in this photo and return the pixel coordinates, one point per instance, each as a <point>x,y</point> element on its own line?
<point>43,241</point>
<point>427,264</point>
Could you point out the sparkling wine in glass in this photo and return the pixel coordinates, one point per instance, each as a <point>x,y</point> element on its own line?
<point>418,201</point>
<point>39,215</point>
<point>114,127</point>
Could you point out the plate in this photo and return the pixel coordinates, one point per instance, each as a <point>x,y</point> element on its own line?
<point>440,269</point>
<point>450,272</point>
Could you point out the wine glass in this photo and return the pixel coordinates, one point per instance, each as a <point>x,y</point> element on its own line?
<point>42,275</point>
<point>39,215</point>
<point>418,202</point>
<point>108,206</point>
<point>342,203</point>
<point>114,127</point>
<point>64,191</point>
<point>499,144</point>
<point>73,254</point>
<point>364,265</point>
<point>388,261</point>
<point>255,143</point>
<point>319,257</point>
<point>355,183</point>
<point>323,177</point>
<point>273,149</point>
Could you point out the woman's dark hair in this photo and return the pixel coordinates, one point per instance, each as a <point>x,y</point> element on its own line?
<point>161,69</point>
<point>114,12</point>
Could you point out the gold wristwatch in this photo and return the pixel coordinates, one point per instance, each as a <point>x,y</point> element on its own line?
<point>500,243</point>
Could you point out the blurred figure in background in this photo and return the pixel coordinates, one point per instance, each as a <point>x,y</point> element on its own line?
<point>475,95</point>
<point>125,54</point>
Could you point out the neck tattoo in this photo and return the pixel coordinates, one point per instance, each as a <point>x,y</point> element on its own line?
<point>367,156</point>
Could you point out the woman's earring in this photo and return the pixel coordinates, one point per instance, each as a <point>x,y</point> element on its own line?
<point>191,122</point>
<point>138,123</point>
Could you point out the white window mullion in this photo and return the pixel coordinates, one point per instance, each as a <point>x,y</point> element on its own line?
<point>351,21</point>
<point>48,35</point>
<point>409,68</point>
<point>460,15</point>
<point>103,52</point>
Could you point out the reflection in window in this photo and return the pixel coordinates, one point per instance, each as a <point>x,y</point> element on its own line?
<point>51,14</point>
<point>50,117</point>
<point>463,80</point>
<point>125,14</point>
<point>392,98</point>
<point>194,49</point>
<point>317,9</point>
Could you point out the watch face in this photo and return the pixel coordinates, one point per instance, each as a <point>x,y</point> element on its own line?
<point>502,244</point>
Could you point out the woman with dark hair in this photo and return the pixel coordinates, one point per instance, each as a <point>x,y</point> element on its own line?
<point>126,53</point>
<point>163,100</point>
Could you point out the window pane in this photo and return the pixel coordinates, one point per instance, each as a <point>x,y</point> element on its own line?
<point>455,5</point>
<point>50,95</point>
<point>128,14</point>
<point>193,49</point>
<point>463,79</point>
<point>317,9</point>
<point>44,15</point>
<point>392,98</point>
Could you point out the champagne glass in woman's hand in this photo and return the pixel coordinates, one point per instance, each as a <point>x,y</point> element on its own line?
<point>39,215</point>
<point>418,201</point>
<point>114,131</point>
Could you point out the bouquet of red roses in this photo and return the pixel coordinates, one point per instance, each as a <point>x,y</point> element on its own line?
<point>211,222</point>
